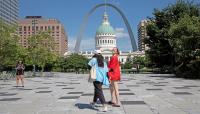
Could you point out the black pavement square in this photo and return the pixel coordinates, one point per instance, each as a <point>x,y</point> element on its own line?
<point>181,87</point>
<point>5,84</point>
<point>68,88</point>
<point>43,91</point>
<point>25,89</point>
<point>133,103</point>
<point>75,83</point>
<point>10,99</point>
<point>191,86</point>
<point>75,93</point>
<point>60,82</point>
<point>162,82</point>
<point>42,88</point>
<point>69,97</point>
<point>87,94</point>
<point>126,94</point>
<point>159,85</point>
<point>8,94</point>
<point>61,85</point>
<point>3,92</point>
<point>182,93</point>
<point>124,89</point>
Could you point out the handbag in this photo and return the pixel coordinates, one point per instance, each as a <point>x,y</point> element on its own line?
<point>92,75</point>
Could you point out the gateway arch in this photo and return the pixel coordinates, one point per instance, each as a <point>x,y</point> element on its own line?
<point>85,21</point>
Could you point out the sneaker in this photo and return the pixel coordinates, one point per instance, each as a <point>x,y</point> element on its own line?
<point>92,105</point>
<point>105,109</point>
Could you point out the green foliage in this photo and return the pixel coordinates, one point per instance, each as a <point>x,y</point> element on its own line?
<point>9,48</point>
<point>127,65</point>
<point>40,51</point>
<point>174,38</point>
<point>74,62</point>
<point>132,62</point>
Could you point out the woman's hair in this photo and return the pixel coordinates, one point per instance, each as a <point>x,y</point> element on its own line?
<point>100,59</point>
<point>117,50</point>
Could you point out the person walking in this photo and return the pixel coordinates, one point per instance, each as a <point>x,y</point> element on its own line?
<point>20,73</point>
<point>114,78</point>
<point>101,68</point>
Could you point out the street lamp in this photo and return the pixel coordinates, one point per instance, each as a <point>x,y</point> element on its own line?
<point>34,22</point>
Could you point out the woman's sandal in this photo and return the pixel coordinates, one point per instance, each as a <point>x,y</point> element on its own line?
<point>115,105</point>
<point>110,103</point>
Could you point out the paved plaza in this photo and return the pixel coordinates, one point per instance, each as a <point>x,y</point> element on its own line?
<point>71,94</point>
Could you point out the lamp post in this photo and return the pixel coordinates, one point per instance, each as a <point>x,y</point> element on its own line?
<point>34,22</point>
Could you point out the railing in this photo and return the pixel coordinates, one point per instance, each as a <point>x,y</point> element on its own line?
<point>9,75</point>
<point>6,75</point>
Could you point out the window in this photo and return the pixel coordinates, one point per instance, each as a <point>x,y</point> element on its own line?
<point>36,28</point>
<point>24,28</point>
<point>29,28</point>
<point>41,28</point>
<point>20,28</point>
<point>57,27</point>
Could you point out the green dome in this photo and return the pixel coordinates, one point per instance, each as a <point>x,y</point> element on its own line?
<point>105,29</point>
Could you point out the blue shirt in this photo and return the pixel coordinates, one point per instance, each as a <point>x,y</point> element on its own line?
<point>101,72</point>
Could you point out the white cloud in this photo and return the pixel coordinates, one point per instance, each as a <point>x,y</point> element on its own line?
<point>87,44</point>
<point>120,33</point>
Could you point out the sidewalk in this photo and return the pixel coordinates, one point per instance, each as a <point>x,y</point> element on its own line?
<point>71,94</point>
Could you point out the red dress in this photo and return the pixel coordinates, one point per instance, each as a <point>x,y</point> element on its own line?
<point>114,66</point>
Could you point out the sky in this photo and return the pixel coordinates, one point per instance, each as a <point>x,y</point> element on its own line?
<point>71,13</point>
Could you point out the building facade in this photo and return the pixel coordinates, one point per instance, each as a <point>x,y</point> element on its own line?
<point>34,24</point>
<point>142,33</point>
<point>9,11</point>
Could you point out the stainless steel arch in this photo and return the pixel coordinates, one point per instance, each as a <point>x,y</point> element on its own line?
<point>83,26</point>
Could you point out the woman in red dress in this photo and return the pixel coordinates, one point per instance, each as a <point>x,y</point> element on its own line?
<point>114,77</point>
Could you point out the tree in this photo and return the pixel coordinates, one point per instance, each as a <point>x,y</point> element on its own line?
<point>40,49</point>
<point>172,32</point>
<point>76,61</point>
<point>9,47</point>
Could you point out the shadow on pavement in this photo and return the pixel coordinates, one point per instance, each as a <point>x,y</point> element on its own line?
<point>84,106</point>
